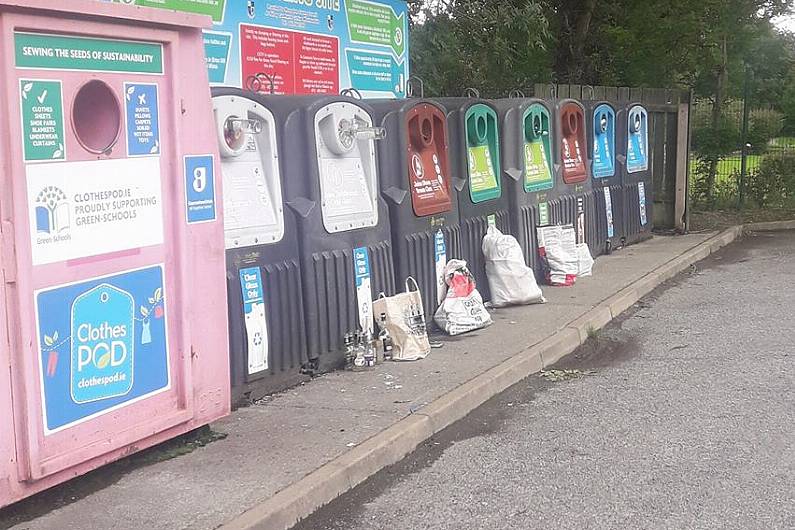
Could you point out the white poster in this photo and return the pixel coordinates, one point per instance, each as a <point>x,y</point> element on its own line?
<point>88,208</point>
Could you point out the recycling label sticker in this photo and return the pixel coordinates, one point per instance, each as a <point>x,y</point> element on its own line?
<point>483,184</point>
<point>143,123</point>
<point>440,259</point>
<point>609,211</point>
<point>364,291</point>
<point>254,316</point>
<point>41,106</point>
<point>543,213</point>
<point>102,345</point>
<point>538,175</point>
<point>642,202</point>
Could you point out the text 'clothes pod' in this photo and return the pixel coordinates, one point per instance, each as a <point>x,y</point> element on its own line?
<point>267,336</point>
<point>636,177</point>
<point>572,200</point>
<point>417,185</point>
<point>528,171</point>
<point>114,296</point>
<point>473,126</point>
<point>606,176</point>
<point>331,183</point>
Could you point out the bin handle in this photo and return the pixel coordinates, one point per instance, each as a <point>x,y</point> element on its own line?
<point>410,86</point>
<point>516,93</point>
<point>413,282</point>
<point>471,92</point>
<point>553,91</point>
<point>590,88</point>
<point>351,93</point>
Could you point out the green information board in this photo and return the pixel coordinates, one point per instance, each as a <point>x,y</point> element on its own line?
<point>213,8</point>
<point>61,52</point>
<point>537,174</point>
<point>41,105</point>
<point>482,177</point>
<point>373,23</point>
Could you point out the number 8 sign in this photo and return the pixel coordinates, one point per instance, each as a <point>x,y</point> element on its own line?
<point>199,189</point>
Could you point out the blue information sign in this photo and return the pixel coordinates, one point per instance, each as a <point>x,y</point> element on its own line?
<point>216,51</point>
<point>143,127</point>
<point>102,343</point>
<point>199,189</point>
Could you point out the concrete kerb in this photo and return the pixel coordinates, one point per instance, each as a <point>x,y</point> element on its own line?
<point>769,226</point>
<point>331,480</point>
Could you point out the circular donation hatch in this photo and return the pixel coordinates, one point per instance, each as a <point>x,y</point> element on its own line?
<point>96,117</point>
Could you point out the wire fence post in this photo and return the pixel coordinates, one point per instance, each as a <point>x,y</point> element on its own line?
<point>744,140</point>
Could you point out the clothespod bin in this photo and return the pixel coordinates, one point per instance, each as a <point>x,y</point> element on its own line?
<point>331,183</point>
<point>606,177</point>
<point>267,336</point>
<point>636,173</point>
<point>473,126</point>
<point>416,183</point>
<point>114,296</point>
<point>527,165</point>
<point>573,201</point>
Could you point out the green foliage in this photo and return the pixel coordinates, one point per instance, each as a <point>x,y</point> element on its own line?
<point>773,184</point>
<point>763,126</point>
<point>492,46</point>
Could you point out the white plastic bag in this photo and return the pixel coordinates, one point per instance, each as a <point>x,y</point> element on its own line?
<point>557,246</point>
<point>405,321</point>
<point>462,309</point>
<point>584,260</point>
<point>511,281</point>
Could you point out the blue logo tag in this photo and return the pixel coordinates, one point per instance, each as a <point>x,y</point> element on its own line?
<point>143,122</point>
<point>102,344</point>
<point>199,189</point>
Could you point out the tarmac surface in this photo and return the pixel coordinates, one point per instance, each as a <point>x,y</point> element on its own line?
<point>677,415</point>
<point>263,449</point>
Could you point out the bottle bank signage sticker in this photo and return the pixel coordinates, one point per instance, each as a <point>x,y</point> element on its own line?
<point>609,211</point>
<point>364,292</point>
<point>102,345</point>
<point>440,260</point>
<point>254,317</point>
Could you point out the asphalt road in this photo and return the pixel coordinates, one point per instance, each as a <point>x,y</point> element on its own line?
<point>678,415</point>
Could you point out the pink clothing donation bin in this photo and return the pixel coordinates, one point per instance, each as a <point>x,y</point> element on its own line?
<point>113,274</point>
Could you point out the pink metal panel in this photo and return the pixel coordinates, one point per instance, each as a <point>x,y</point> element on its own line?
<point>192,256</point>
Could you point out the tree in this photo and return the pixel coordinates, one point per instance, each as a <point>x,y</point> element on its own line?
<point>493,46</point>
